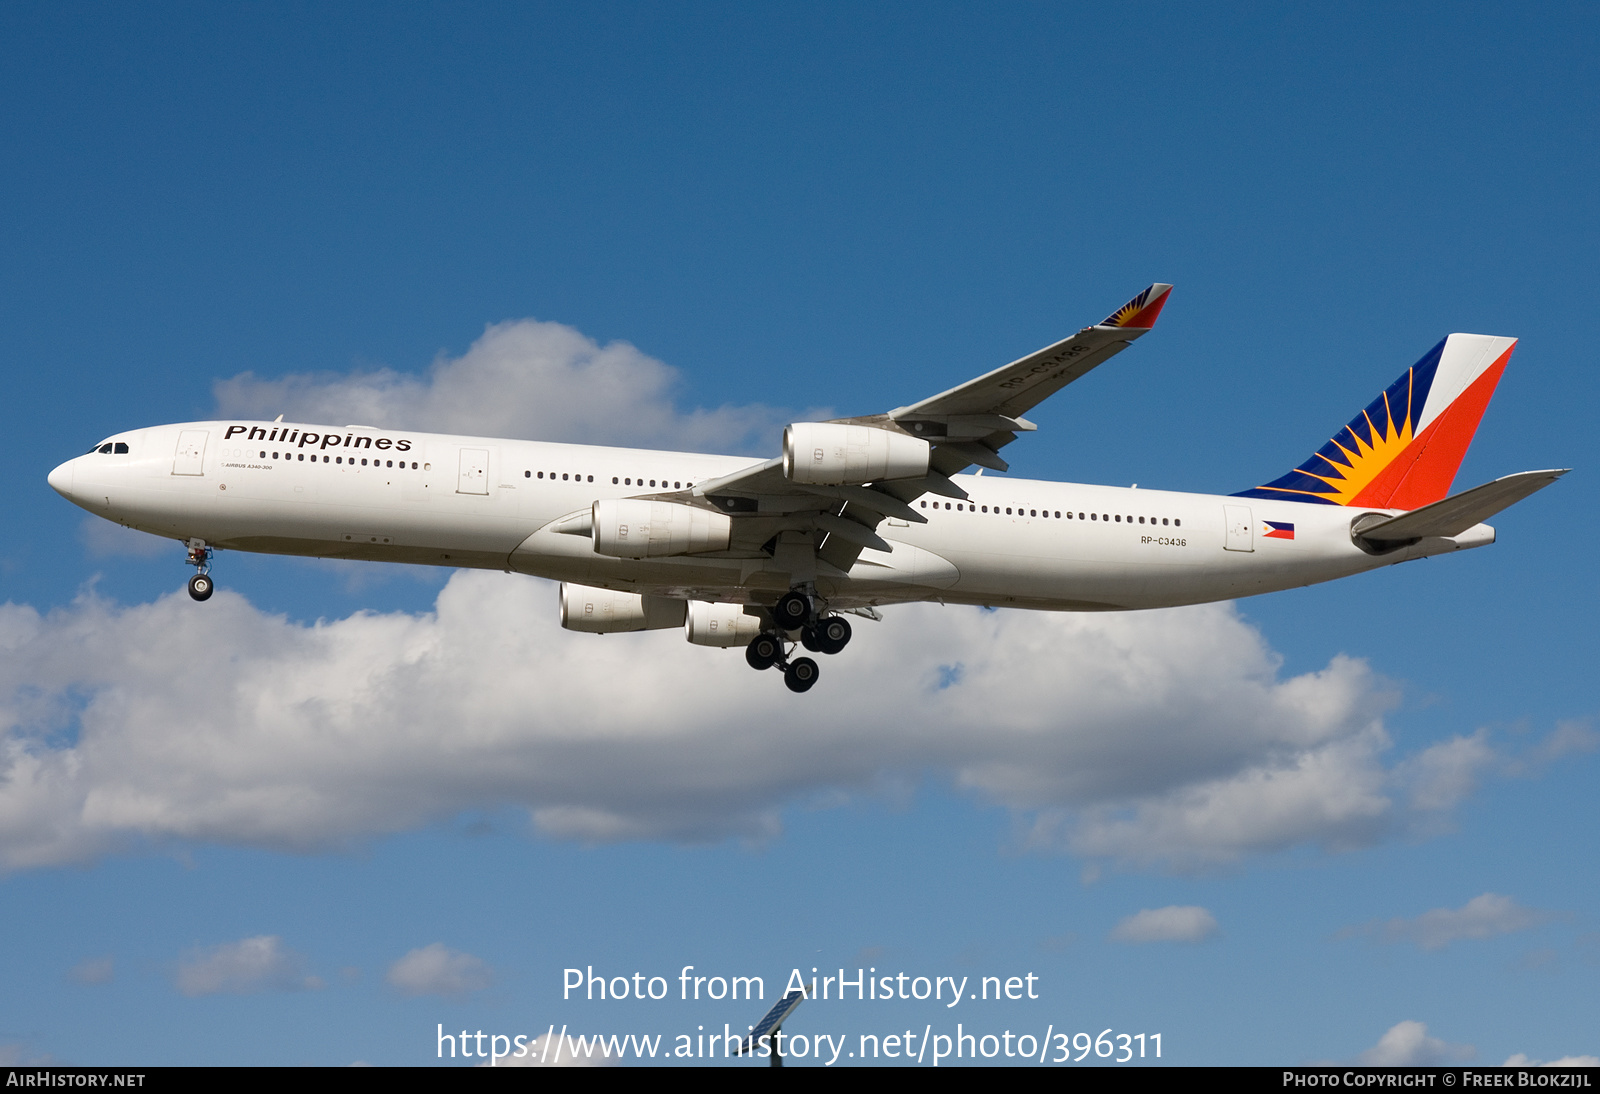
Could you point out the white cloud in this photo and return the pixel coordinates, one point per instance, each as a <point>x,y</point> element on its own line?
<point>1174,923</point>
<point>1440,777</point>
<point>1481,917</point>
<point>1521,1060</point>
<point>1407,1044</point>
<point>438,970</point>
<point>238,968</point>
<point>1567,739</point>
<point>523,378</point>
<point>93,970</point>
<point>1150,737</point>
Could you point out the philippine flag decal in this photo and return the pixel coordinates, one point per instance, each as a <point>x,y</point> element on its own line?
<point>1277,529</point>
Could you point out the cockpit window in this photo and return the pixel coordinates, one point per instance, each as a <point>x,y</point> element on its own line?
<point>121,448</point>
<point>104,449</point>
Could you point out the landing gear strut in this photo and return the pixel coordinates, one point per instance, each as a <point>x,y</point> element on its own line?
<point>200,585</point>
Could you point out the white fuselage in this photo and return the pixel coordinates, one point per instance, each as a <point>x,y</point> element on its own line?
<point>399,496</point>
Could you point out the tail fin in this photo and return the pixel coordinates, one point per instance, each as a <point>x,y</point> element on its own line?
<point>1403,450</point>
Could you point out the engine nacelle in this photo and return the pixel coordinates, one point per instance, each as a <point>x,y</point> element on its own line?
<point>607,611</point>
<point>720,624</point>
<point>639,528</point>
<point>827,454</point>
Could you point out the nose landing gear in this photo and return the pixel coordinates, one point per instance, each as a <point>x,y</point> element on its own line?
<point>200,585</point>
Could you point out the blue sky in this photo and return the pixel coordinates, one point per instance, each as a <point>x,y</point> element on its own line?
<point>831,208</point>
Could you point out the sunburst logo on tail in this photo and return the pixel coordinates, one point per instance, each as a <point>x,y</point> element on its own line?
<point>1404,449</point>
<point>1362,453</point>
<point>1342,469</point>
<point>1141,311</point>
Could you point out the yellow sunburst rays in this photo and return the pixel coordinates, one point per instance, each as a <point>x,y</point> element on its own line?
<point>1367,461</point>
<point>1127,311</point>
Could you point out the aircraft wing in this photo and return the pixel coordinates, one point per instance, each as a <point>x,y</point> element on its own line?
<point>1016,388</point>
<point>966,425</point>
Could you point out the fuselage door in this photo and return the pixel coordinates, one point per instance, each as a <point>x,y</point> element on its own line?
<point>474,477</point>
<point>190,459</point>
<point>1240,528</point>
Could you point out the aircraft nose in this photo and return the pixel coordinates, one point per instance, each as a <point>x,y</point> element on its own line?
<point>61,479</point>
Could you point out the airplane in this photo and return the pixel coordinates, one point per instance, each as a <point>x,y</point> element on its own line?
<point>854,515</point>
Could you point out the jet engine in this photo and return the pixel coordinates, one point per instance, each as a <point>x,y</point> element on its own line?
<point>828,454</point>
<point>720,624</point>
<point>639,528</point>
<point>606,611</point>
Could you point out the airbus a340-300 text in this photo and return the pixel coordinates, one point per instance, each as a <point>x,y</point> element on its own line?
<point>854,515</point>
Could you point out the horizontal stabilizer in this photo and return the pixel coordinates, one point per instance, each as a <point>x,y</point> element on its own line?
<point>1455,515</point>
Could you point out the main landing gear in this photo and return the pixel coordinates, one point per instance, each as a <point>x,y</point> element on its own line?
<point>826,634</point>
<point>200,585</point>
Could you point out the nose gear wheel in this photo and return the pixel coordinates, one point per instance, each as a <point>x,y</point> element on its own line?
<point>200,585</point>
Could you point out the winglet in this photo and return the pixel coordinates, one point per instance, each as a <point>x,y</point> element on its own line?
<point>1140,312</point>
